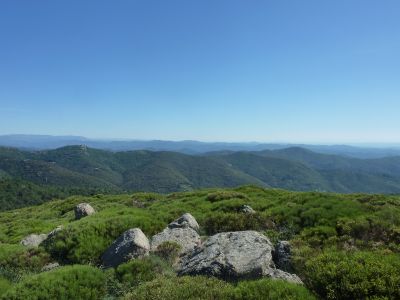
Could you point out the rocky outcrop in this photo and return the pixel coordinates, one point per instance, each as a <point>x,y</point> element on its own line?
<point>182,231</point>
<point>187,238</point>
<point>233,256</point>
<point>33,240</point>
<point>83,210</point>
<point>131,244</point>
<point>282,256</point>
<point>185,221</point>
<point>247,209</point>
<point>230,256</point>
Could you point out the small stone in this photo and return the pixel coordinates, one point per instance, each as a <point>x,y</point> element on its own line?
<point>247,209</point>
<point>279,274</point>
<point>50,266</point>
<point>83,210</point>
<point>185,221</point>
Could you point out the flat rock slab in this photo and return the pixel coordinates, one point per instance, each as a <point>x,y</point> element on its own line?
<point>187,238</point>
<point>230,256</point>
<point>279,274</point>
<point>131,244</point>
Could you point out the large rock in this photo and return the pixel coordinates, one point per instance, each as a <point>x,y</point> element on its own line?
<point>233,256</point>
<point>187,238</point>
<point>131,244</point>
<point>185,221</point>
<point>282,256</point>
<point>33,240</point>
<point>230,256</point>
<point>83,210</point>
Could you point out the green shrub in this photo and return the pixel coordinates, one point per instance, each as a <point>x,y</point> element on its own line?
<point>368,229</point>
<point>266,289</point>
<point>17,261</point>
<point>4,285</point>
<point>138,271</point>
<point>85,241</point>
<point>358,275</point>
<point>319,236</point>
<point>168,250</point>
<point>72,282</point>
<point>178,288</point>
<point>18,256</point>
<point>223,222</point>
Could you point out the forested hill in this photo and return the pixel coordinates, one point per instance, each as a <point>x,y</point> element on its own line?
<point>29,177</point>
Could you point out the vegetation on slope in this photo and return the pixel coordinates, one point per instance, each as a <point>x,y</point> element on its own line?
<point>28,177</point>
<point>345,246</point>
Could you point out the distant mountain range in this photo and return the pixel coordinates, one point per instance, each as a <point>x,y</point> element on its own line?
<point>45,142</point>
<point>29,175</point>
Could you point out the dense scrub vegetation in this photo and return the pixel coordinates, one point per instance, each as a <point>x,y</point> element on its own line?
<point>71,282</point>
<point>344,246</point>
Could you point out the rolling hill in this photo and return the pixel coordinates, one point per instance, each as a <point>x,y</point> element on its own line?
<point>83,170</point>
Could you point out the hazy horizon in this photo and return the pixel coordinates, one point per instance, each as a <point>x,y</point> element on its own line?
<point>111,139</point>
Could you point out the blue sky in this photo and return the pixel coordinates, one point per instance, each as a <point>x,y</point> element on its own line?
<point>270,71</point>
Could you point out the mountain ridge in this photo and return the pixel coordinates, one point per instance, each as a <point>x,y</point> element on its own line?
<point>46,142</point>
<point>84,170</point>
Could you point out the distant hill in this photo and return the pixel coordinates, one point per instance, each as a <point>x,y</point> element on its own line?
<point>81,170</point>
<point>47,142</point>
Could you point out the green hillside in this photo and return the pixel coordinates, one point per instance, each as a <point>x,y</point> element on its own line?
<point>344,246</point>
<point>81,170</point>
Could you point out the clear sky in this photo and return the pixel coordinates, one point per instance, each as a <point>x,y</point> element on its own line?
<point>292,71</point>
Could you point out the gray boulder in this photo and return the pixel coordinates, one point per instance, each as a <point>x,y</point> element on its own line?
<point>50,266</point>
<point>230,256</point>
<point>83,210</point>
<point>247,209</point>
<point>282,255</point>
<point>233,256</point>
<point>131,244</point>
<point>185,221</point>
<point>33,240</point>
<point>187,238</point>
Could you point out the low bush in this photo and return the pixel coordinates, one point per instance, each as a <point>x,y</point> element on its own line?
<point>138,271</point>
<point>358,275</point>
<point>84,241</point>
<point>72,282</point>
<point>168,250</point>
<point>4,285</point>
<point>200,287</point>
<point>268,289</point>
<point>177,288</point>
<point>17,261</point>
